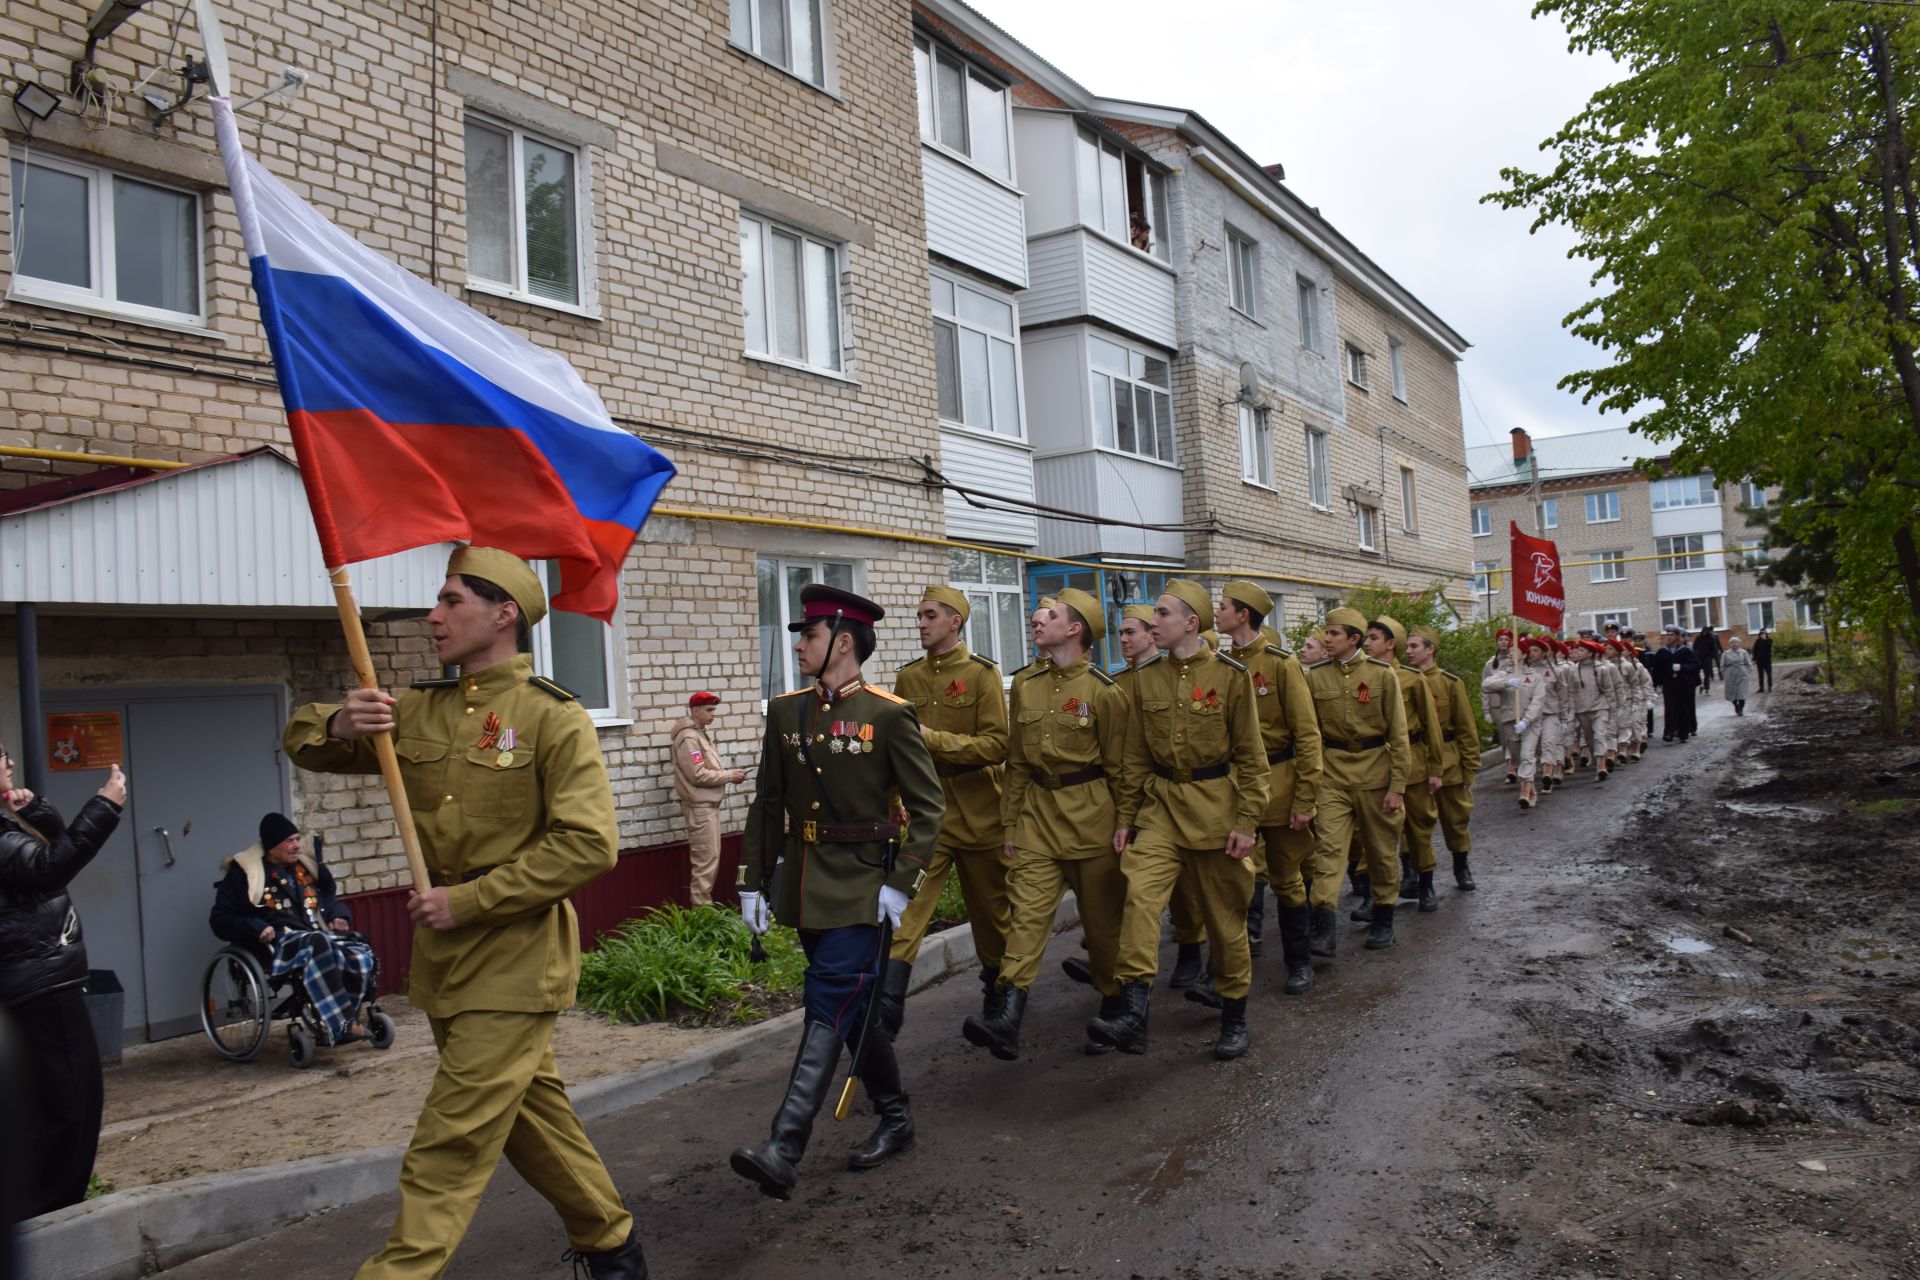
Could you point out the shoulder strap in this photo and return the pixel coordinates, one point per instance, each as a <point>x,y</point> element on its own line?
<point>438,682</point>
<point>553,688</point>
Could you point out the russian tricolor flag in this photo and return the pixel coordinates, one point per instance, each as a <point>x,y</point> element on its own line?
<point>418,420</point>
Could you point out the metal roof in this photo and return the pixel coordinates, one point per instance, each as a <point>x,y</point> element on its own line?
<point>1560,457</point>
<point>234,532</point>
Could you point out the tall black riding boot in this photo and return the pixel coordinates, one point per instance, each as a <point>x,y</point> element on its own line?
<point>772,1164</point>
<point>1234,1037</point>
<point>1429,901</point>
<point>1380,936</point>
<point>1186,966</point>
<point>1295,945</point>
<point>880,1077</point>
<point>1409,882</point>
<point>1127,1029</point>
<point>998,1030</point>
<point>622,1262</point>
<point>895,977</point>
<point>1110,1007</point>
<point>1462,873</point>
<point>1256,916</point>
<point>1321,937</point>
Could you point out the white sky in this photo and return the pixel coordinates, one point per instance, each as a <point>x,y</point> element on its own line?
<point>1393,117</point>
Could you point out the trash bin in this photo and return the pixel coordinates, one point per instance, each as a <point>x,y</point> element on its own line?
<point>106,1009</point>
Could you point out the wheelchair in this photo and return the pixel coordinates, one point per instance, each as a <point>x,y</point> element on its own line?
<point>240,1001</point>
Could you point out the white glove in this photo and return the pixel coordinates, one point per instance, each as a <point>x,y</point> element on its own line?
<point>893,903</point>
<point>1519,726</point>
<point>753,911</point>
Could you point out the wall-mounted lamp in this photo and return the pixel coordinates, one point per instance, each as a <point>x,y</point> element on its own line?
<point>35,101</point>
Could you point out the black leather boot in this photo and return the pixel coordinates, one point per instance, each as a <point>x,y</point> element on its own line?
<point>989,980</point>
<point>1462,873</point>
<point>1362,913</point>
<point>880,1078</point>
<point>1296,947</point>
<point>895,976</point>
<point>1127,1029</point>
<point>1362,886</point>
<point>998,1030</point>
<point>772,1164</point>
<point>623,1262</point>
<point>1186,966</point>
<point>1380,935</point>
<point>1409,882</point>
<point>1322,930</point>
<point>1428,900</point>
<point>1256,917</point>
<point>1110,1007</point>
<point>1234,1037</point>
<point>1202,992</point>
<point>1078,969</point>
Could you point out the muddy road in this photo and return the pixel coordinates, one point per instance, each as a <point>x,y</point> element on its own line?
<point>1576,1071</point>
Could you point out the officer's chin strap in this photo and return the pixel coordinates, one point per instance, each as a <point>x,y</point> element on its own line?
<point>828,693</point>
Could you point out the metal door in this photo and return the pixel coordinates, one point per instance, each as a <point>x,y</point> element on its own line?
<point>107,893</point>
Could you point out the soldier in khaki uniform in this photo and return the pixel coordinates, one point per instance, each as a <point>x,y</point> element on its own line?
<point>963,716</point>
<point>1291,738</point>
<point>700,779</point>
<point>1387,640</point>
<point>1363,740</point>
<point>836,755</point>
<point>1194,793</point>
<point>1064,764</point>
<point>1459,764</point>
<point>511,800</point>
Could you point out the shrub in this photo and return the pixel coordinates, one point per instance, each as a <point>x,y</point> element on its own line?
<point>1793,641</point>
<point>678,963</point>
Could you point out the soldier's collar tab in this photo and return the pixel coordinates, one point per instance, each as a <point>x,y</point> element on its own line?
<point>498,678</point>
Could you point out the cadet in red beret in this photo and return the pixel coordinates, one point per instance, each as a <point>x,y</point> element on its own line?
<point>700,779</point>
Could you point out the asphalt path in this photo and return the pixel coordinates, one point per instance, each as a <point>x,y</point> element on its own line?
<point>1342,1146</point>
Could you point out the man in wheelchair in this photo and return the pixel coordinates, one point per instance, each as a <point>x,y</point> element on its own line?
<point>277,902</point>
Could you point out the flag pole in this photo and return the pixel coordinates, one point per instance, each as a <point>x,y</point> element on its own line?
<point>382,742</point>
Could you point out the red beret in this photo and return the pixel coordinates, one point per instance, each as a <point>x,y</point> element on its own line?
<point>1593,645</point>
<point>1504,631</point>
<point>704,699</point>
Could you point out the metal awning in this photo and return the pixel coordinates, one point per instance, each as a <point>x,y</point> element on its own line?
<point>230,533</point>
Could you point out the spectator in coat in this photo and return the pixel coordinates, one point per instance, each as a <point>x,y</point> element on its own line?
<point>1676,673</point>
<point>1706,648</point>
<point>1736,675</point>
<point>1763,661</point>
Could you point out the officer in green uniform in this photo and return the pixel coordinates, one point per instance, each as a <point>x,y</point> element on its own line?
<point>1460,763</point>
<point>1363,743</point>
<point>1387,640</point>
<point>834,757</point>
<point>510,797</point>
<point>963,716</point>
<point>1291,739</point>
<point>1194,794</point>
<point>1064,763</point>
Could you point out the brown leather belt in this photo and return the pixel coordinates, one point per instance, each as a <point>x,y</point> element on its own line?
<point>1449,736</point>
<point>1365,744</point>
<point>1199,774</point>
<point>841,832</point>
<point>955,770</point>
<point>1416,737</point>
<point>1060,782</point>
<point>1275,757</point>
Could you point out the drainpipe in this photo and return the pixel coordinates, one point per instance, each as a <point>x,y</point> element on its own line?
<point>33,726</point>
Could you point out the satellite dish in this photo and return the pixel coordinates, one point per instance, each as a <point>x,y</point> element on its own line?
<point>1249,382</point>
<point>215,45</point>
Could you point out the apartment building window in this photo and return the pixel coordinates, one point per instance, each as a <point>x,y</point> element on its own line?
<point>1683,551</point>
<point>1367,520</point>
<point>1549,513</point>
<point>1607,566</point>
<point>1482,522</point>
<point>1356,366</point>
<point>1397,367</point>
<point>1319,475</point>
<point>976,356</point>
<point>1753,494</point>
<point>1603,508</point>
<point>1243,273</point>
<point>1754,554</point>
<point>1409,502</point>
<point>1132,400</point>
<point>581,653</point>
<point>1622,618</point>
<point>1673,492</point>
<point>1483,576</point>
<point>996,616</point>
<point>779,582</point>
<point>88,237</point>
<point>1806,614</point>
<point>961,108</point>
<point>1692,614</point>
<point>1121,194</point>
<point>523,213</point>
<point>1256,446</point>
<point>1760,615</point>
<point>790,292</point>
<point>1307,298</point>
<point>788,33</point>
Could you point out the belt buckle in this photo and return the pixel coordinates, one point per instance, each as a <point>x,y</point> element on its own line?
<point>810,831</point>
<point>1183,775</point>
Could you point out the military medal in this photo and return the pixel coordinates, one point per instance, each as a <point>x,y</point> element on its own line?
<point>1197,696</point>
<point>1260,683</point>
<point>508,737</point>
<point>489,732</point>
<point>866,737</point>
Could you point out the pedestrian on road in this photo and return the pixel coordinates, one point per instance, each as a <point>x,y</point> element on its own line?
<point>700,779</point>
<point>1529,687</point>
<point>1706,647</point>
<point>1736,675</point>
<point>1459,763</point>
<point>1497,702</point>
<point>510,797</point>
<point>1676,672</point>
<point>1763,661</point>
<point>835,755</point>
<point>54,1131</point>
<point>1386,641</point>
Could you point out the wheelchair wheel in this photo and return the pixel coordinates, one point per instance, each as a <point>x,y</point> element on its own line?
<point>235,1005</point>
<point>300,1048</point>
<point>380,1031</point>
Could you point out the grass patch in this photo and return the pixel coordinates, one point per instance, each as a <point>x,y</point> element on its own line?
<point>693,967</point>
<point>1887,806</point>
<point>952,908</point>
<point>97,1186</point>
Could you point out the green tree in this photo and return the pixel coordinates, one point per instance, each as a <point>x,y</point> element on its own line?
<point>1746,196</point>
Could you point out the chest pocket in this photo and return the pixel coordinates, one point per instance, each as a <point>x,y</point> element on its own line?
<point>1207,727</point>
<point>423,767</point>
<point>1030,722</point>
<point>499,792</point>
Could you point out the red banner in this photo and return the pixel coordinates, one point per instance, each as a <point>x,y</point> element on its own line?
<point>1538,595</point>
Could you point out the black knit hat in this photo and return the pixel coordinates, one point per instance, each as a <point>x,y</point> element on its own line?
<point>274,828</point>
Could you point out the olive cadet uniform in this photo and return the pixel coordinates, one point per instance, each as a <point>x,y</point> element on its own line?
<point>511,800</point>
<point>1460,765</point>
<point>1425,754</point>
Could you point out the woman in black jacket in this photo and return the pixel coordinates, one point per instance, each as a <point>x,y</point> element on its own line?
<point>43,965</point>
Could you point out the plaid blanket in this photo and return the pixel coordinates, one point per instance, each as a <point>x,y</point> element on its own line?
<point>334,970</point>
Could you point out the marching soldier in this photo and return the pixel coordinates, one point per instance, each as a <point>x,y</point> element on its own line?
<point>1064,763</point>
<point>1194,793</point>
<point>1386,640</point>
<point>963,716</point>
<point>510,797</point>
<point>834,756</point>
<point>1459,764</point>
<point>1363,743</point>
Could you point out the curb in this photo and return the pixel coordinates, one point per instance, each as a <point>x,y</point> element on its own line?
<point>136,1233</point>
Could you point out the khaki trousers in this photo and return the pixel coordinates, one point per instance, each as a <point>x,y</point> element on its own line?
<point>983,886</point>
<point>496,1092</point>
<point>1287,858</point>
<point>1422,811</point>
<point>1456,811</point>
<point>1035,884</point>
<point>1189,920</point>
<point>1153,865</point>
<point>1530,749</point>
<point>1509,743</point>
<point>703,850</point>
<point>1349,813</point>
